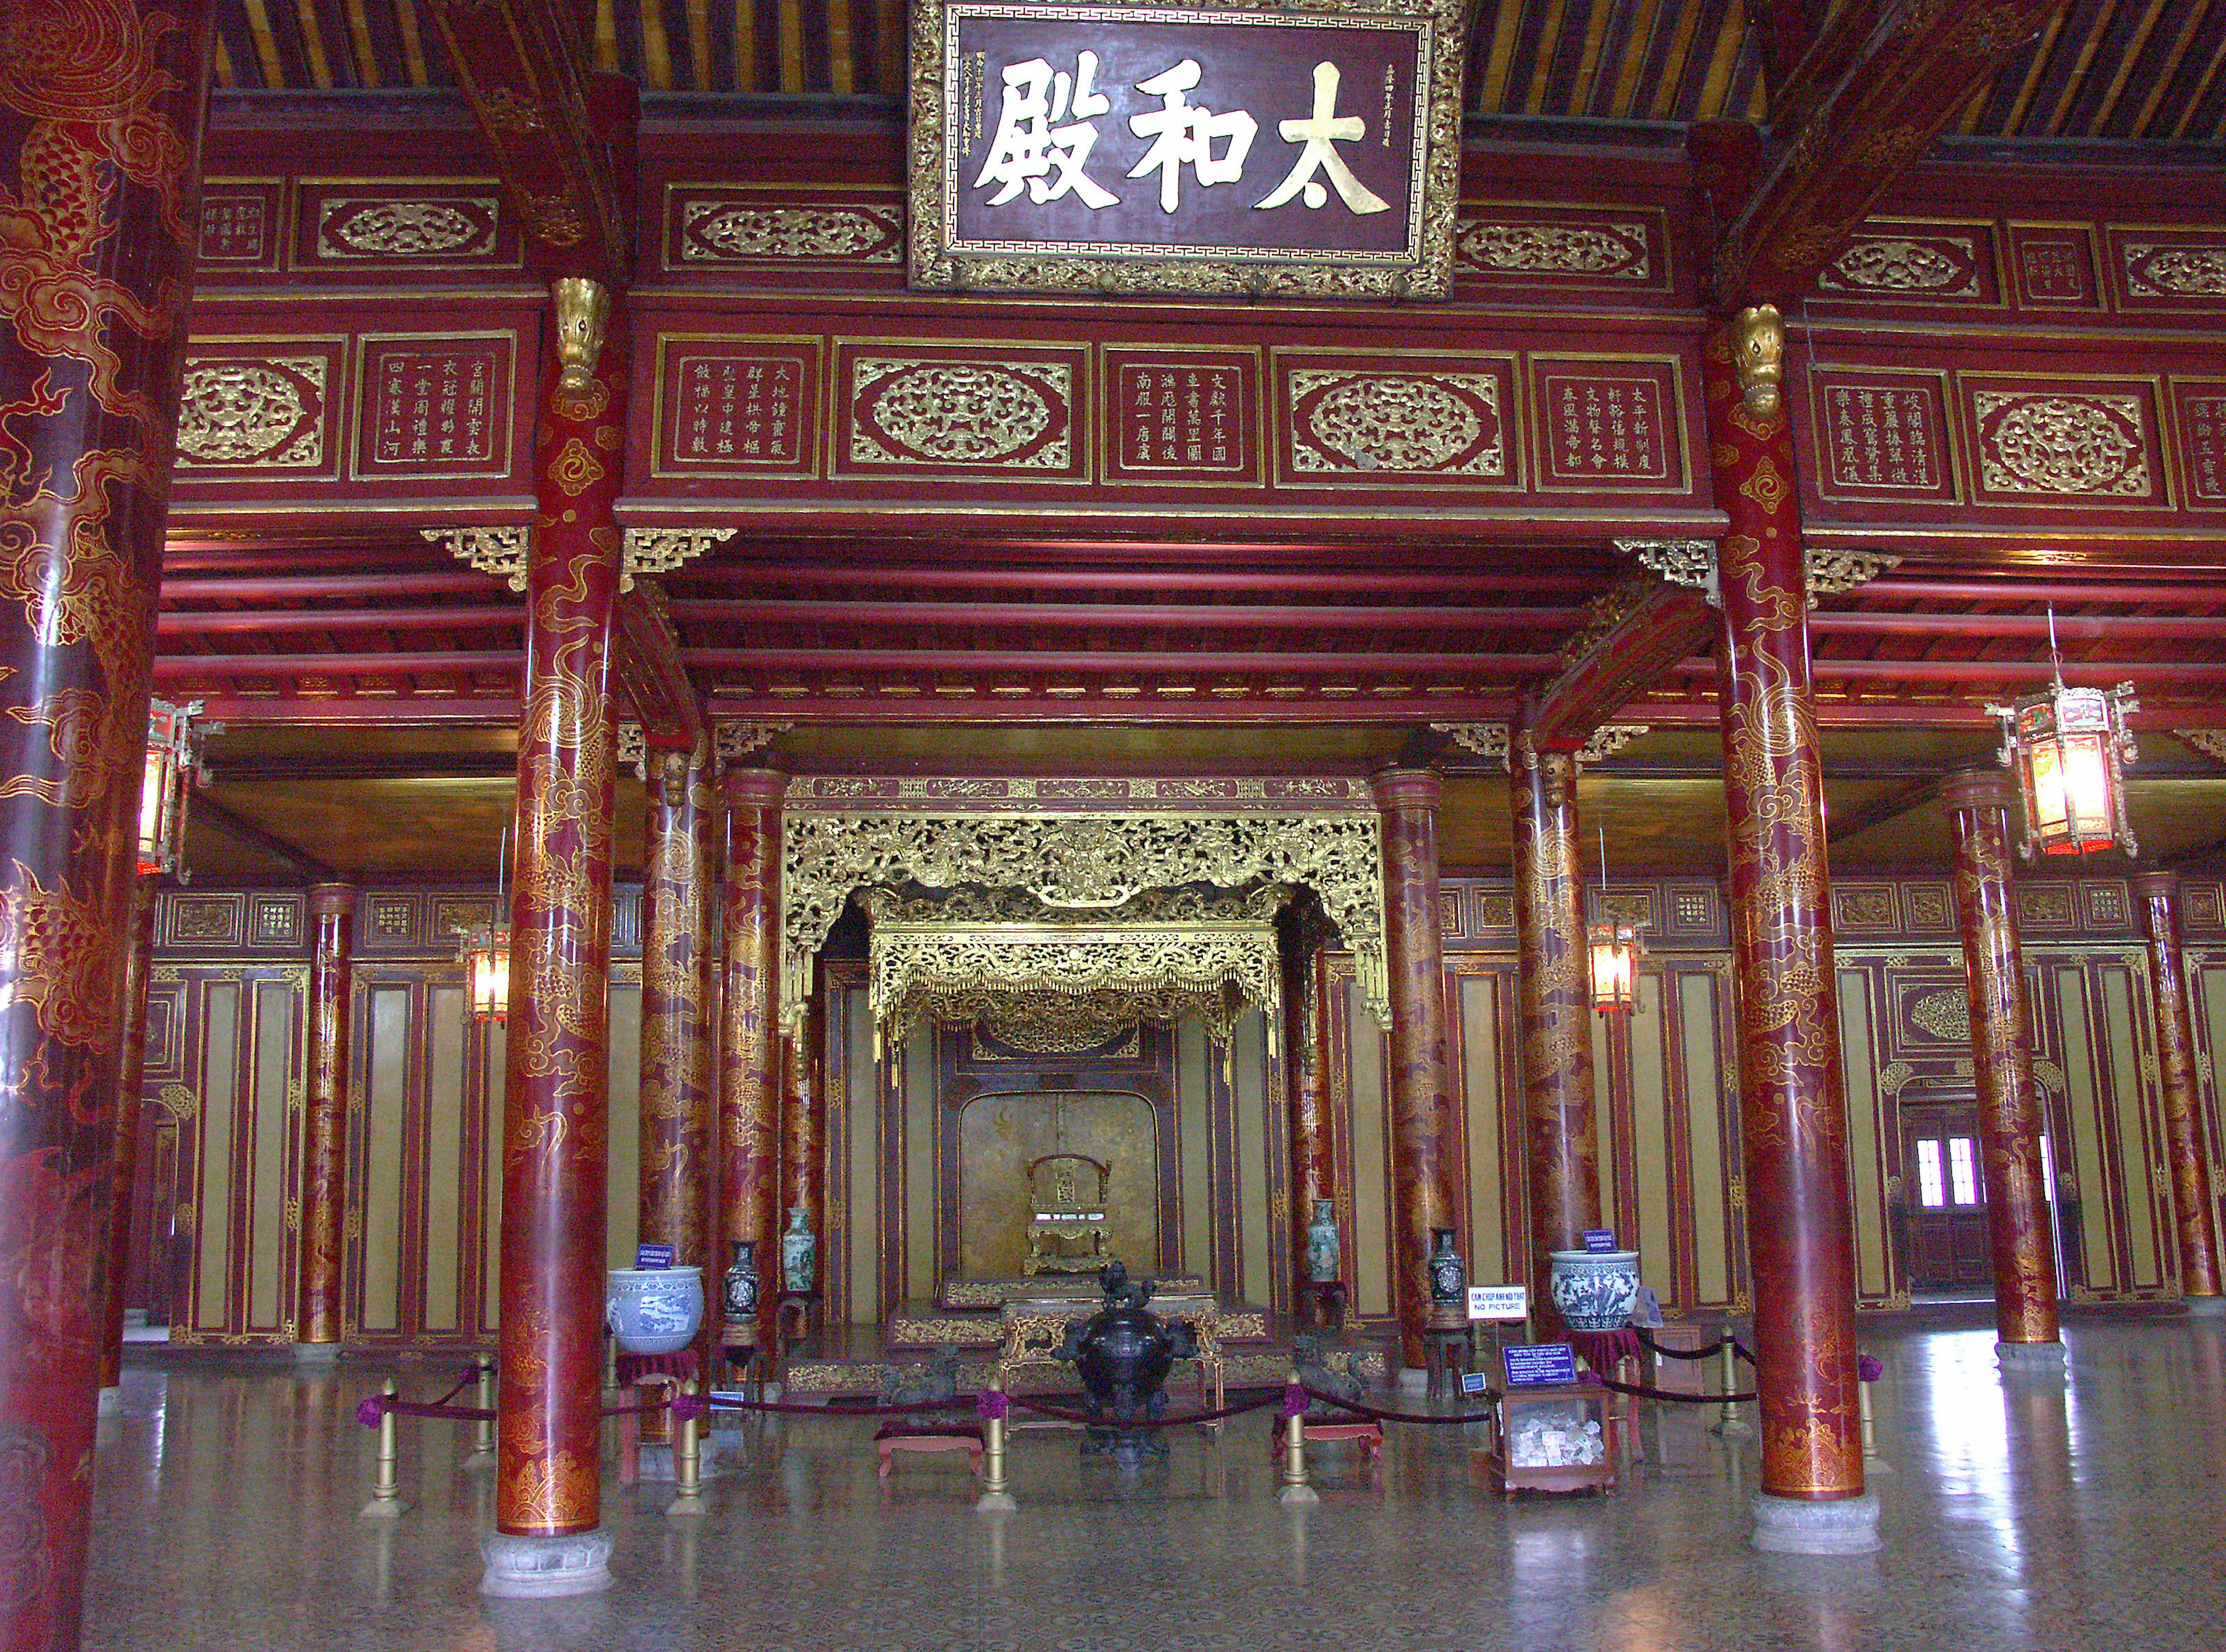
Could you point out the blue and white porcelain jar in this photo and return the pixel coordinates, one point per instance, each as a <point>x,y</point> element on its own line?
<point>1595,1290</point>
<point>654,1310</point>
<point>1324,1248</point>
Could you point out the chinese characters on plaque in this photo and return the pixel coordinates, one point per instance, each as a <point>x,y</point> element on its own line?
<point>1204,150</point>
<point>739,406</point>
<point>2202,409</point>
<point>1606,425</point>
<point>1882,436</point>
<point>435,407</point>
<point>1184,418</point>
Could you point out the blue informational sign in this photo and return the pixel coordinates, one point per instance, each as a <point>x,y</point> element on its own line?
<point>1598,1240</point>
<point>1474,1382</point>
<point>652,1255</point>
<point>1535,1365</point>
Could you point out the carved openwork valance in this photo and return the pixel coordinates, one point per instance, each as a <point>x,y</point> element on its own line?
<point>954,961</point>
<point>1090,864</point>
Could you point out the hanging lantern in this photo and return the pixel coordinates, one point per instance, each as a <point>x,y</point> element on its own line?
<point>484,954</point>
<point>2069,748</point>
<point>1616,952</point>
<point>165,783</point>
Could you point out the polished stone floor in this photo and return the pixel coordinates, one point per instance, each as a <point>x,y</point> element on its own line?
<point>2021,1512</point>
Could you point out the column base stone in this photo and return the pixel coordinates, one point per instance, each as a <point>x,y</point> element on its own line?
<point>2039,1357</point>
<point>538,1568</point>
<point>316,1353</point>
<point>2205,1307</point>
<point>1412,1379</point>
<point>112,1399</point>
<point>1796,1526</point>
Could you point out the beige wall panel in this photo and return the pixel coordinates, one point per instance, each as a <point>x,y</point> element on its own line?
<point>1650,1142</point>
<point>272,1119</point>
<point>1705,1101</point>
<point>1253,1135</point>
<point>220,1086</point>
<point>2121,1035</point>
<point>863,1160</point>
<point>2210,996</point>
<point>2069,984</point>
<point>1371,1170</point>
<point>1866,1148</point>
<point>444,1159</point>
<point>498,1043</point>
<point>1611,1119</point>
<point>1194,1149</point>
<point>1479,1007</point>
<point>622,1170</point>
<point>385,1092</point>
<point>919,1191</point>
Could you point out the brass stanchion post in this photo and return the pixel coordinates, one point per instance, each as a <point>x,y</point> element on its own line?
<point>483,1428</point>
<point>993,1496</point>
<point>386,1486</point>
<point>687,1465</point>
<point>1295,1488</point>
<point>1873,1464</point>
<point>1731,1425</point>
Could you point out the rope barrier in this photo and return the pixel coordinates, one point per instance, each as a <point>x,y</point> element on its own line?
<point>1176,1421</point>
<point>729,1399</point>
<point>1645,1391</point>
<point>1429,1418</point>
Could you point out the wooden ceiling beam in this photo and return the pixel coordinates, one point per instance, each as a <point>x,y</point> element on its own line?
<point>2072,627</point>
<point>286,588</point>
<point>551,128</point>
<point>432,662</point>
<point>220,622</point>
<point>651,674</point>
<point>1913,70</point>
<point>1637,633</point>
<point>925,576</point>
<point>207,812</point>
<point>1892,805</point>
<point>2010,674</point>
<point>976,662</point>
<point>1119,616</point>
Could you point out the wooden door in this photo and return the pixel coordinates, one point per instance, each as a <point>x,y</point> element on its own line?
<point>1945,1166</point>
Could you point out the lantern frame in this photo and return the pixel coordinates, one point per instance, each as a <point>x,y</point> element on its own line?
<point>484,950</point>
<point>1616,951</point>
<point>2068,748</point>
<point>166,779</point>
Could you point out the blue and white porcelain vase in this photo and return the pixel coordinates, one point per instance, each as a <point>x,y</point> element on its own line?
<point>1595,1290</point>
<point>1449,1274</point>
<point>743,1284</point>
<point>654,1310</point>
<point>799,1252</point>
<point>1324,1248</point>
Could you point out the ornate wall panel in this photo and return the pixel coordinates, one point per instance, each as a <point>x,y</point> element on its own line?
<point>1602,252</point>
<point>2054,267</point>
<point>779,234</point>
<point>421,226</point>
<point>1015,412</point>
<point>242,230</point>
<point>1915,259</point>
<point>229,1072</point>
<point>2166,268</point>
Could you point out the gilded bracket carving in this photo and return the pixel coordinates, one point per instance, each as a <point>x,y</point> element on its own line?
<point>1690,563</point>
<point>583,313</point>
<point>1758,359</point>
<point>660,550</point>
<point>1831,572</point>
<point>1487,740</point>
<point>500,551</point>
<point>1609,739</point>
<point>734,742</point>
<point>633,747</point>
<point>2211,742</point>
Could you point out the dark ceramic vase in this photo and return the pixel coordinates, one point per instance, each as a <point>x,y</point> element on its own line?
<point>742,1284</point>
<point>1122,1356</point>
<point>1448,1277</point>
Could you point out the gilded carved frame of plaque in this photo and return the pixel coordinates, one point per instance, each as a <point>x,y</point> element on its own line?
<point>938,82</point>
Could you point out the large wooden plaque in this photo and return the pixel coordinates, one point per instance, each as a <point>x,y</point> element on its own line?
<point>1149,148</point>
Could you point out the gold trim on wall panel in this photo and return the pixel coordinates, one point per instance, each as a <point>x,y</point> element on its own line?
<point>220,1086</point>
<point>622,1169</point>
<point>1249,1048</point>
<point>1713,1243</point>
<point>1371,1171</point>
<point>862,1161</point>
<point>1865,1137</point>
<point>1477,1009</point>
<point>2069,981</point>
<point>2210,1044</point>
<point>498,1056</point>
<point>1653,1168</point>
<point>1609,1125</point>
<point>272,1029</point>
<point>442,1180</point>
<point>920,1194</point>
<point>1194,1152</point>
<point>385,1102</point>
<point>2140,1156</point>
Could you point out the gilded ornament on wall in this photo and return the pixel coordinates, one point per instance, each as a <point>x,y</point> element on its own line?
<point>1689,562</point>
<point>961,412</point>
<point>2062,444</point>
<point>499,551</point>
<point>1440,422</point>
<point>267,414</point>
<point>1487,740</point>
<point>711,231</point>
<point>1831,572</point>
<point>663,550</point>
<point>1945,1014</point>
<point>1618,250</point>
<point>1942,266</point>
<point>407,229</point>
<point>2153,272</point>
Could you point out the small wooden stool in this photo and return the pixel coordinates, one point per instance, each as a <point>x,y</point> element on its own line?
<point>893,1437</point>
<point>1447,1350</point>
<point>1369,1435</point>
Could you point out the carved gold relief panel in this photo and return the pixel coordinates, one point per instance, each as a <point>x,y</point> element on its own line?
<point>253,409</point>
<point>1010,411</point>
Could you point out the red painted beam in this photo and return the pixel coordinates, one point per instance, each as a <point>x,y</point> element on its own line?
<point>1833,713</point>
<point>2118,627</point>
<point>194,668</point>
<point>1403,711</point>
<point>925,576</point>
<point>976,662</point>
<point>430,711</point>
<point>216,622</point>
<point>2012,674</point>
<point>1902,588</point>
<point>1121,616</point>
<point>1661,625</point>
<point>461,581</point>
<point>651,675</point>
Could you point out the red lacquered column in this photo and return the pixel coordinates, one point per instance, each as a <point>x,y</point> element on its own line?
<point>1978,801</point>
<point>324,1123</point>
<point>132,1064</point>
<point>1307,986</point>
<point>678,1070</point>
<point>1793,1114</point>
<point>548,1473</point>
<point>804,1129</point>
<point>749,1028</point>
<point>1426,1167</point>
<point>101,119</point>
<point>2194,1224</point>
<point>1554,964</point>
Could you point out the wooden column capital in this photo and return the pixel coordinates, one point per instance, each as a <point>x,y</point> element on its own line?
<point>331,899</point>
<point>1400,790</point>
<point>1979,787</point>
<point>753,788</point>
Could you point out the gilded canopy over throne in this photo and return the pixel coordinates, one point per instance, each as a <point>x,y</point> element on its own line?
<point>1066,1225</point>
